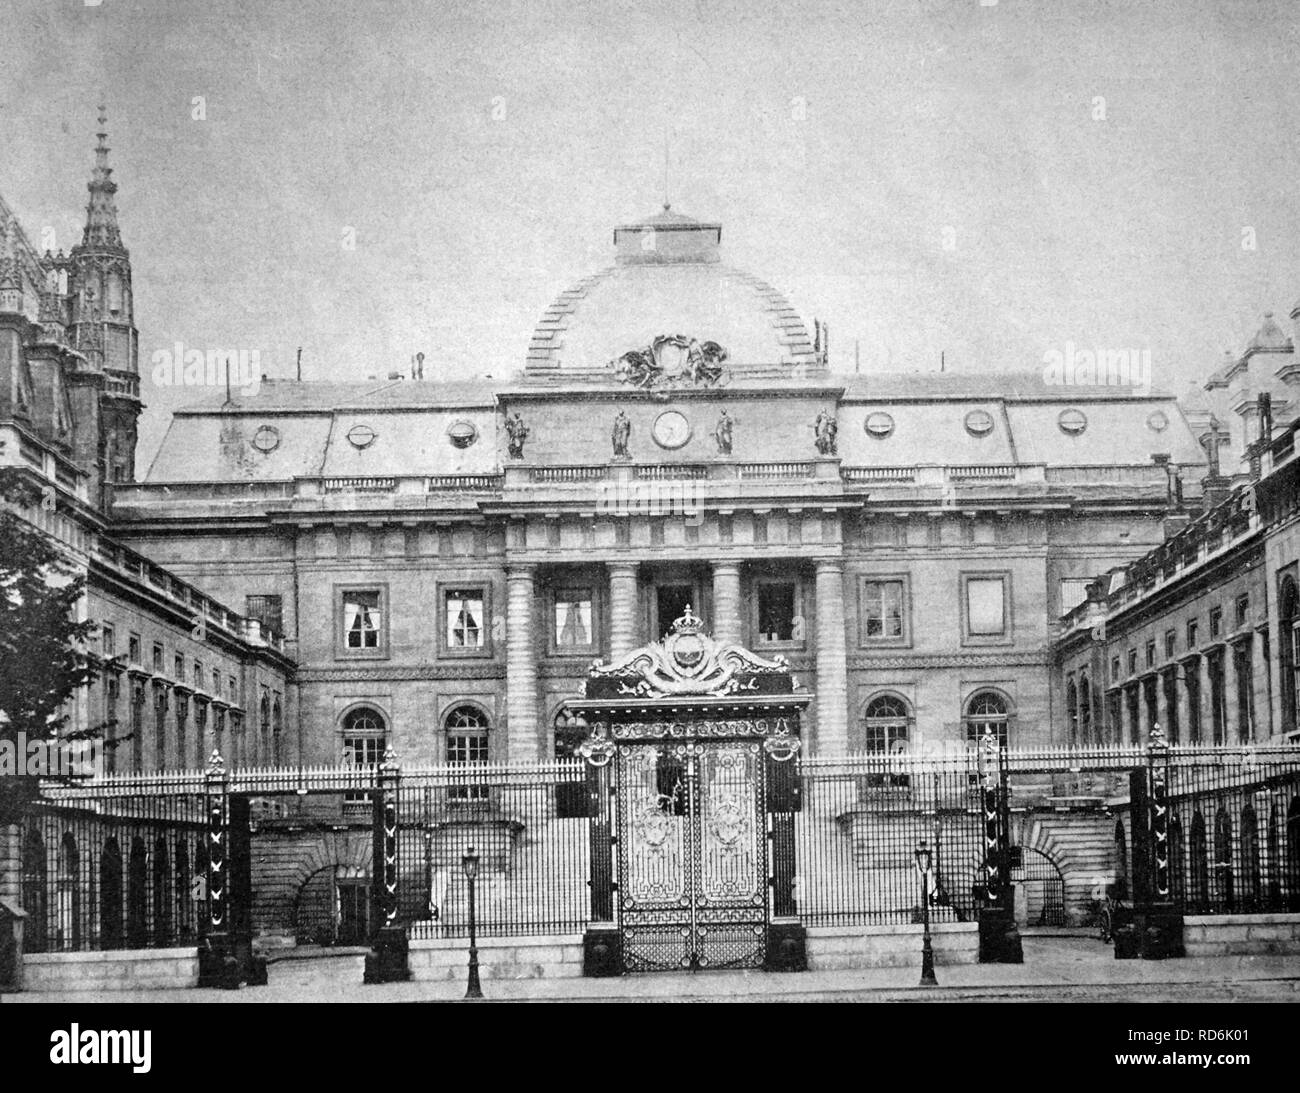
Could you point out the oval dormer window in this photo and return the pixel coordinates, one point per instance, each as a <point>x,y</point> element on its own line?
<point>879,424</point>
<point>1072,422</point>
<point>266,439</point>
<point>1157,421</point>
<point>361,436</point>
<point>462,434</point>
<point>979,423</point>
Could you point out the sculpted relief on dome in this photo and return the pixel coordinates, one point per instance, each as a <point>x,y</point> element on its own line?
<point>673,360</point>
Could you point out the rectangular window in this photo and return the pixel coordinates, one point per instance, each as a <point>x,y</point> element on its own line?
<point>882,610</point>
<point>467,749</point>
<point>133,649</point>
<point>778,612</point>
<point>986,607</point>
<point>362,620</point>
<point>267,610</point>
<point>1170,683</point>
<point>1151,654</point>
<point>1218,698</point>
<point>1132,662</point>
<point>573,619</point>
<point>363,751</point>
<point>1216,621</point>
<point>157,657</point>
<point>1245,696</point>
<point>1074,590</point>
<point>179,673</point>
<point>671,602</point>
<point>1114,668</point>
<point>1242,611</point>
<point>109,642</point>
<point>1171,642</point>
<point>198,674</point>
<point>1192,682</point>
<point>1191,634</point>
<point>216,682</point>
<point>233,692</point>
<point>465,621</point>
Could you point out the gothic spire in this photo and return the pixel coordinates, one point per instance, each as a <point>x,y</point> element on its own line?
<point>101,211</point>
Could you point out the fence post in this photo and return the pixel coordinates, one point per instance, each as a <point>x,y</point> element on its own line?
<point>602,944</point>
<point>218,966</point>
<point>999,938</point>
<point>787,940</point>
<point>389,958</point>
<point>1157,921</point>
<point>252,969</point>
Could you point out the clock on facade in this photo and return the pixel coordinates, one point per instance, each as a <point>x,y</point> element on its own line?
<point>671,429</point>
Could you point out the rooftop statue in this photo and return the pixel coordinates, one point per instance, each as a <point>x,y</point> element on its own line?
<point>517,433</point>
<point>825,429</point>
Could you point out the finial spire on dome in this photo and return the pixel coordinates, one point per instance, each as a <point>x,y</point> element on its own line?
<point>101,211</point>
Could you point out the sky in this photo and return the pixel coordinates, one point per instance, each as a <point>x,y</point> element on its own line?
<point>973,181</point>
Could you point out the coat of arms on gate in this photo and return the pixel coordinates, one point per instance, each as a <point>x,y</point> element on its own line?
<point>728,821</point>
<point>689,662</point>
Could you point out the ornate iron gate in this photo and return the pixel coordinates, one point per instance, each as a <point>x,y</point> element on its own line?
<point>692,854</point>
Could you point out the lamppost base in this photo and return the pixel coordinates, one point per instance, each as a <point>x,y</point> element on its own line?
<point>602,952</point>
<point>389,958</point>
<point>218,965</point>
<point>1159,930</point>
<point>999,937</point>
<point>787,948</point>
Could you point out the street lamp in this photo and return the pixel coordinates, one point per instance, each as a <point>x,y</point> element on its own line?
<point>924,860</point>
<point>469,863</point>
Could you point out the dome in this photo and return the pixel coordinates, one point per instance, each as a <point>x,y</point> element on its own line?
<point>669,280</point>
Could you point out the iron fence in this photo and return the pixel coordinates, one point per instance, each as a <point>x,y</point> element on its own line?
<point>861,822</point>
<point>529,828</point>
<point>1234,830</point>
<point>118,867</point>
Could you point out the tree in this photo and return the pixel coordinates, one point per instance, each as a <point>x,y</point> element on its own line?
<point>43,654</point>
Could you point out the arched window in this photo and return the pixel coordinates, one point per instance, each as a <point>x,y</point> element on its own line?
<point>1072,710</point>
<point>184,896</point>
<point>1177,864</point>
<point>277,733</point>
<point>1121,862</point>
<point>987,711</point>
<point>885,724</point>
<point>162,904</point>
<point>1223,871</point>
<point>570,796</point>
<point>35,894</point>
<point>1085,710</point>
<point>137,896</point>
<point>467,745</point>
<point>1274,842</point>
<point>110,896</point>
<point>365,737</point>
<point>1293,855</point>
<point>1250,892</point>
<point>68,896</point>
<point>1288,652</point>
<point>264,730</point>
<point>1199,887</point>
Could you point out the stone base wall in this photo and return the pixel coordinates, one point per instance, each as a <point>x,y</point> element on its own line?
<point>113,970</point>
<point>1242,935</point>
<point>542,957</point>
<point>832,948</point>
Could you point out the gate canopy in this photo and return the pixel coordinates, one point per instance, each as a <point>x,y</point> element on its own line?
<point>691,685</point>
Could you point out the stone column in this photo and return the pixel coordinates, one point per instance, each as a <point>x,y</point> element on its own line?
<point>726,602</point>
<point>1162,702</point>
<point>523,731</point>
<point>622,608</point>
<point>1207,700</point>
<point>1184,716</point>
<point>1230,717</point>
<point>832,662</point>
<point>1261,673</point>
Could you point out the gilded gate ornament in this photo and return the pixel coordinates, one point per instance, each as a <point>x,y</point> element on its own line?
<point>688,662</point>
